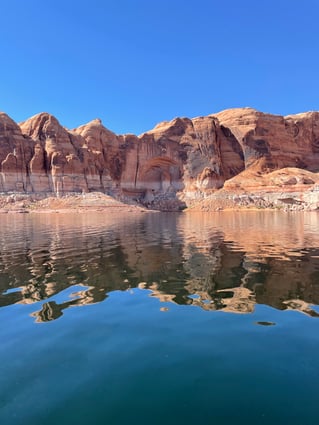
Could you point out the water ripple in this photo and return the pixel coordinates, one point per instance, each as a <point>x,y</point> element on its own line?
<point>222,261</point>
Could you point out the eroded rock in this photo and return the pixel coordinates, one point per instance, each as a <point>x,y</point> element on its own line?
<point>177,163</point>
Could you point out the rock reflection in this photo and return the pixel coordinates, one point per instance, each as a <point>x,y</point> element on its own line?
<point>52,310</point>
<point>221,261</point>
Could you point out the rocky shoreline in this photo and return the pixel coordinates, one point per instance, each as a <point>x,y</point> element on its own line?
<point>219,201</point>
<point>38,203</point>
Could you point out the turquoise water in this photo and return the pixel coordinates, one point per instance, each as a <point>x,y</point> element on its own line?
<point>159,318</point>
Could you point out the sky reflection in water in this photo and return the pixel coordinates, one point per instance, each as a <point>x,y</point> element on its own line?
<point>180,319</point>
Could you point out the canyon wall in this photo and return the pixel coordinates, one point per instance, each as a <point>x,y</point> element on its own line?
<point>181,161</point>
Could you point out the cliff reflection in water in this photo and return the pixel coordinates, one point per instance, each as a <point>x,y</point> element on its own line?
<point>220,261</point>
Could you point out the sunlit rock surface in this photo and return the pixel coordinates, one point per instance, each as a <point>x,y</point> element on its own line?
<point>208,162</point>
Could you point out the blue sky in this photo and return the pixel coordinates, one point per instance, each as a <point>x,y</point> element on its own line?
<point>134,63</point>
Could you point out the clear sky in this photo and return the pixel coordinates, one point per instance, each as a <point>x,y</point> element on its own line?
<point>134,63</point>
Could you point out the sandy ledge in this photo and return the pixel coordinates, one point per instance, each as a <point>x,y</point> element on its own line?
<point>93,202</point>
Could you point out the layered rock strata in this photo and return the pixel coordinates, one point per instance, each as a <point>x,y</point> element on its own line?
<point>235,152</point>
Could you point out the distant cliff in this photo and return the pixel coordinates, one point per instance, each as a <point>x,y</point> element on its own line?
<point>236,157</point>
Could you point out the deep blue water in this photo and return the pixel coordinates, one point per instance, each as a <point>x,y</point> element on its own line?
<point>159,318</point>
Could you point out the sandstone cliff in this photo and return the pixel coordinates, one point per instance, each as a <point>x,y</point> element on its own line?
<point>209,159</point>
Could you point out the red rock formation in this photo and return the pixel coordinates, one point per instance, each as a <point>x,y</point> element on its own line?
<point>15,155</point>
<point>184,159</point>
<point>291,141</point>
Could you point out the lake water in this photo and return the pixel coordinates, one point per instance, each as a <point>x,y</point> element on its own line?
<point>153,319</point>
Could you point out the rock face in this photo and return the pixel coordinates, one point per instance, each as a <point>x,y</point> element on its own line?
<point>184,160</point>
<point>291,141</point>
<point>16,152</point>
